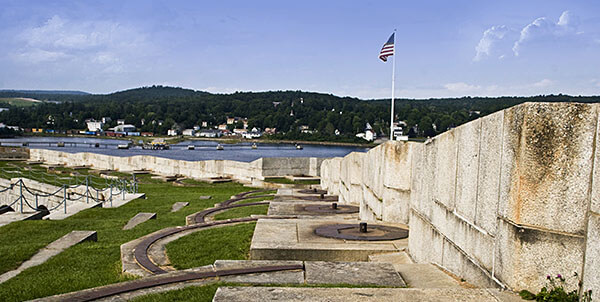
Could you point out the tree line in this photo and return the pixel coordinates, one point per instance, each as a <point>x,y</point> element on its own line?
<point>157,109</point>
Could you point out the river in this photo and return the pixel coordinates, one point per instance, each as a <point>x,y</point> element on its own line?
<point>203,150</point>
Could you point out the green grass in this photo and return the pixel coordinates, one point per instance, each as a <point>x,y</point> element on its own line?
<point>192,182</point>
<point>93,264</point>
<point>206,246</point>
<point>283,180</point>
<point>120,174</point>
<point>147,179</point>
<point>243,212</point>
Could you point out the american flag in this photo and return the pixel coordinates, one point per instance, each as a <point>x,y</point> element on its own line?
<point>388,49</point>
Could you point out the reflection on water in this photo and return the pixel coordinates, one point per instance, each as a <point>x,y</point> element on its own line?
<point>203,150</point>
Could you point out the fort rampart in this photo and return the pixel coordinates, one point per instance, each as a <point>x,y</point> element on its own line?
<point>502,200</point>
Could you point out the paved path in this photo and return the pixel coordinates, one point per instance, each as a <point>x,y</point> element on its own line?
<point>298,294</point>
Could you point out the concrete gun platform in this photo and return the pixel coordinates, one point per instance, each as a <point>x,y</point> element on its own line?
<point>294,239</point>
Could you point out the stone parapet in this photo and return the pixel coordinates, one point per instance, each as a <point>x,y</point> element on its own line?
<point>244,171</point>
<point>502,200</point>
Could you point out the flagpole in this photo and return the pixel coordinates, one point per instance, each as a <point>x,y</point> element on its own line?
<point>393,80</point>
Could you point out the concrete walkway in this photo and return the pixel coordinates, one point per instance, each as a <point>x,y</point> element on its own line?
<point>417,275</point>
<point>298,294</point>
<point>51,250</point>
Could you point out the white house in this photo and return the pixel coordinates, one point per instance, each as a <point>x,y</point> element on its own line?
<point>172,132</point>
<point>95,126</point>
<point>188,132</point>
<point>125,128</point>
<point>255,133</point>
<point>369,134</point>
<point>211,133</point>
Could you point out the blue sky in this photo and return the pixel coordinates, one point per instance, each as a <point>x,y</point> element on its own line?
<point>444,48</point>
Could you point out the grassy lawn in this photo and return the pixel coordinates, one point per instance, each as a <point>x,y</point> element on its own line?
<point>283,180</point>
<point>18,102</point>
<point>243,212</point>
<point>206,246</point>
<point>192,182</point>
<point>93,264</point>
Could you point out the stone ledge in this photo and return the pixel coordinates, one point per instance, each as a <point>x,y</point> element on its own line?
<point>297,294</point>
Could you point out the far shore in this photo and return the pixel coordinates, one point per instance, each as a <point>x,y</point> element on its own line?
<point>224,140</point>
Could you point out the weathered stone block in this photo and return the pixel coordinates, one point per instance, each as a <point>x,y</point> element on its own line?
<point>595,200</point>
<point>372,173</point>
<point>397,165</point>
<point>461,265</point>
<point>425,244</point>
<point>488,179</point>
<point>591,271</point>
<point>548,149</point>
<point>417,171</point>
<point>467,139</point>
<point>396,205</point>
<point>472,240</point>
<point>524,256</point>
<point>424,177</point>
<point>444,171</point>
<point>372,201</point>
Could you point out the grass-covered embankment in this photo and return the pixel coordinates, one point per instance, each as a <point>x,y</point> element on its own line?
<point>230,242</point>
<point>92,264</point>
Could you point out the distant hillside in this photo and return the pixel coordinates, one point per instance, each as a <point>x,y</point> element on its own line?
<point>44,91</point>
<point>297,115</point>
<point>19,102</point>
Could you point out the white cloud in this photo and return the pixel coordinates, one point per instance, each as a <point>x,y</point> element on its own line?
<point>461,87</point>
<point>487,41</point>
<point>99,46</point>
<point>543,28</point>
<point>543,83</point>
<point>35,56</point>
<point>66,34</point>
